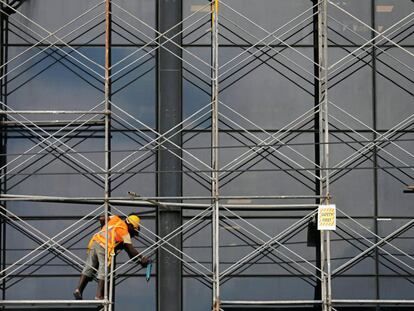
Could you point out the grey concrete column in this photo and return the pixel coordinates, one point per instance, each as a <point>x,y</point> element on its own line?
<point>169,281</point>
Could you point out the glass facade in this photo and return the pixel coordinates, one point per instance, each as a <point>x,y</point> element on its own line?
<point>55,143</point>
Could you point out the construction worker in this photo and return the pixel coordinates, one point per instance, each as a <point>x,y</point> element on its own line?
<point>119,235</point>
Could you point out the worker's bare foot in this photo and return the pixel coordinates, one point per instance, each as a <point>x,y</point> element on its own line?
<point>77,294</point>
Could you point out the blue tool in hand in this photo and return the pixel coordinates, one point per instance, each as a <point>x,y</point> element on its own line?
<point>148,272</point>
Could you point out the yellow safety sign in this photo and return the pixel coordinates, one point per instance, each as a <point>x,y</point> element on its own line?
<point>327,217</point>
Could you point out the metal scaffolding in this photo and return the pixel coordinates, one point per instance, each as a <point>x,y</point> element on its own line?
<point>178,214</point>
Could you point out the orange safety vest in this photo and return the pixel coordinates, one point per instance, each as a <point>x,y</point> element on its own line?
<point>113,239</point>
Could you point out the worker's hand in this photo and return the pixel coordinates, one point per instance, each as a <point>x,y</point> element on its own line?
<point>144,261</point>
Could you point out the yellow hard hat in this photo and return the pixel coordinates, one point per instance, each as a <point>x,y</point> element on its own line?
<point>133,220</point>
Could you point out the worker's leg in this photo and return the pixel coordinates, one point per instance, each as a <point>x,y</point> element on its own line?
<point>100,290</point>
<point>100,252</point>
<point>90,266</point>
<point>83,281</point>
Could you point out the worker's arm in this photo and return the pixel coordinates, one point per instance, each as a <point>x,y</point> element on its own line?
<point>133,253</point>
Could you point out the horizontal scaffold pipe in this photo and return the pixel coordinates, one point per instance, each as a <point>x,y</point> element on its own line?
<point>270,302</point>
<point>52,112</point>
<point>372,302</point>
<point>160,204</point>
<point>18,124</point>
<point>236,197</point>
<point>52,302</point>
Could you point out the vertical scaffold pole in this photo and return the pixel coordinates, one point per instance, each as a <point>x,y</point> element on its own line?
<point>215,155</point>
<point>324,148</point>
<point>107,186</point>
<point>3,146</point>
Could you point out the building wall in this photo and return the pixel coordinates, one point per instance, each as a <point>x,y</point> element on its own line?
<point>263,92</point>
